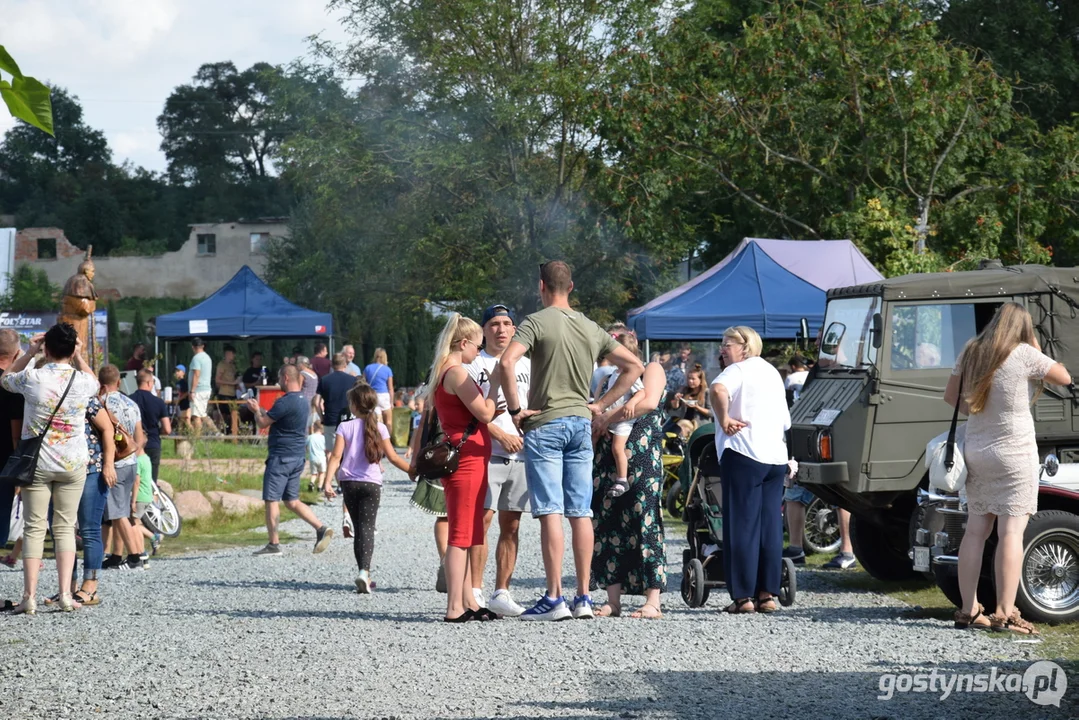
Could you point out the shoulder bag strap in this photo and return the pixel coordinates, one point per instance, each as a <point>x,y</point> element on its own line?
<point>949,452</point>
<point>70,382</point>
<point>471,428</point>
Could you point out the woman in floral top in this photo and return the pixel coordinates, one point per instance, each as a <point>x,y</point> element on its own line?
<point>100,476</point>
<point>61,467</point>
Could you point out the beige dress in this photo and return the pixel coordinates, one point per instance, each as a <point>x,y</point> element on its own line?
<point>1001,452</point>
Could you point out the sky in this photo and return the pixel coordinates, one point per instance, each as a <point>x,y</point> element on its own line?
<point>122,58</point>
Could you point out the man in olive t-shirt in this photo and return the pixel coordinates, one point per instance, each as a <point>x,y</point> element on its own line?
<point>565,346</point>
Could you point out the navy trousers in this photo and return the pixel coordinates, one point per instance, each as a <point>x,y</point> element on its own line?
<point>752,525</point>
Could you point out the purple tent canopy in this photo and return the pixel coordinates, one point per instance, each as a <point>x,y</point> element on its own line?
<point>766,284</point>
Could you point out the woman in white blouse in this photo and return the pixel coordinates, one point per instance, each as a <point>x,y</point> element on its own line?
<point>61,467</point>
<point>750,407</point>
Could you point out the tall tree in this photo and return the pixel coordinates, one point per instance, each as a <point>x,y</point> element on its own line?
<point>222,126</point>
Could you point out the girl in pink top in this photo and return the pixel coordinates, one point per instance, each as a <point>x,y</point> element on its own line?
<point>358,449</point>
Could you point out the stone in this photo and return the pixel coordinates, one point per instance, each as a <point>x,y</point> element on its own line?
<point>166,487</point>
<point>234,503</point>
<point>192,504</point>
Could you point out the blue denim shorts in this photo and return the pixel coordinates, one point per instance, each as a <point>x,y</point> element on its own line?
<point>558,466</point>
<point>798,493</point>
<point>281,479</point>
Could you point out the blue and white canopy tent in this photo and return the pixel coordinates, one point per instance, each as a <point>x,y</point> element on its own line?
<point>769,285</point>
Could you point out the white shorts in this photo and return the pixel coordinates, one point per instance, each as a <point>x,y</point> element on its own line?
<point>621,429</point>
<point>199,401</point>
<point>317,466</point>
<point>507,486</point>
<point>385,402</point>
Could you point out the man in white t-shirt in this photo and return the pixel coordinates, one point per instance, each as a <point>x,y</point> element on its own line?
<point>507,487</point>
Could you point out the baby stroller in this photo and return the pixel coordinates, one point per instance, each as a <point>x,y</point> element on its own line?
<point>702,561</point>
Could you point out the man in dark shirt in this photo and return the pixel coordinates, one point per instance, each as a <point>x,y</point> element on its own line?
<point>285,460</point>
<point>155,417</point>
<point>138,357</point>
<point>320,361</point>
<point>332,398</point>
<point>183,396</point>
<point>11,415</point>
<point>251,374</point>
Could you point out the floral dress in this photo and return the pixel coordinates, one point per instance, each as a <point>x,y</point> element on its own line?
<point>629,529</point>
<point>93,442</point>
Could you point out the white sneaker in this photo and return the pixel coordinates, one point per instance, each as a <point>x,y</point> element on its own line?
<point>582,608</point>
<point>478,594</point>
<point>502,604</point>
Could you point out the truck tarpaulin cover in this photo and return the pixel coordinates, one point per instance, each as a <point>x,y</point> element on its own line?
<point>769,285</point>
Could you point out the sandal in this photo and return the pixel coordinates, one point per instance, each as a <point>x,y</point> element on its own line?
<point>1013,623</point>
<point>86,599</point>
<point>608,610</point>
<point>652,613</point>
<point>486,614</point>
<point>975,621</point>
<point>618,488</point>
<point>767,605</point>
<point>466,616</point>
<point>52,600</point>
<point>743,606</point>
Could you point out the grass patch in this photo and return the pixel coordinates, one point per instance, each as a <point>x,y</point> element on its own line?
<point>216,449</point>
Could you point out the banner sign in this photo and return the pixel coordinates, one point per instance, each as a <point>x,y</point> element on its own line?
<point>30,324</point>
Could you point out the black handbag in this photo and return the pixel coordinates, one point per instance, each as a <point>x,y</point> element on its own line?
<point>438,458</point>
<point>22,465</point>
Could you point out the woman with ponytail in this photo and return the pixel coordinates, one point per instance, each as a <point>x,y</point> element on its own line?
<point>463,413</point>
<point>359,447</point>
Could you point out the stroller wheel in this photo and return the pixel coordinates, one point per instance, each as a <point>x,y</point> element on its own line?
<point>788,584</point>
<point>694,591</point>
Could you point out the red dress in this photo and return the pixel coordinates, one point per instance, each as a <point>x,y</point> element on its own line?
<point>466,489</point>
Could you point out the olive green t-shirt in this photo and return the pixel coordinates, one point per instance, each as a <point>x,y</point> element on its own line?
<point>564,347</point>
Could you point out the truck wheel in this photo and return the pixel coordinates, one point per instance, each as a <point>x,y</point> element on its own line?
<point>1049,582</point>
<point>947,579</point>
<point>882,550</point>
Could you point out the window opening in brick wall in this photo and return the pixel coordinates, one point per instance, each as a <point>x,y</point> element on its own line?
<point>259,241</point>
<point>46,248</point>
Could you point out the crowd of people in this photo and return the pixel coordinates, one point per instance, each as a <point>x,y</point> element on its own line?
<point>555,416</point>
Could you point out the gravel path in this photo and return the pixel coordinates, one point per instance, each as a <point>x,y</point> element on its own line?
<point>228,635</point>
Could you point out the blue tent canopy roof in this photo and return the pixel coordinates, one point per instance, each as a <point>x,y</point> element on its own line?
<point>245,307</point>
<point>769,285</point>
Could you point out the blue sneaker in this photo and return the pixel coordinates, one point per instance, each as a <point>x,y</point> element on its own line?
<point>548,609</point>
<point>582,607</point>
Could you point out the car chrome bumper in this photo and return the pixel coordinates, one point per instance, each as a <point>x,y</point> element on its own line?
<point>939,549</point>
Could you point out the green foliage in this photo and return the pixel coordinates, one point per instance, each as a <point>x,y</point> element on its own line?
<point>115,354</point>
<point>30,291</point>
<point>837,119</point>
<point>138,328</point>
<point>26,98</point>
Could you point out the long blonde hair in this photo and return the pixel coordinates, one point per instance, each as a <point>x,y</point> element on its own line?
<point>458,328</point>
<point>983,355</point>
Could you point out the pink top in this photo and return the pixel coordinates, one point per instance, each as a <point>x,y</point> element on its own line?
<point>354,465</point>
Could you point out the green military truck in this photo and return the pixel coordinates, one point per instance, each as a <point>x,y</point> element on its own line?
<point>861,425</point>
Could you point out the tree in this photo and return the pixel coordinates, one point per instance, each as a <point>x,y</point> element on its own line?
<point>836,119</point>
<point>1030,42</point>
<point>222,126</point>
<point>32,162</point>
<point>30,291</point>
<point>138,326</point>
<point>26,98</point>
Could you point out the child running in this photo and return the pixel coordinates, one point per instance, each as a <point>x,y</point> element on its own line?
<point>316,455</point>
<point>359,446</point>
<point>620,430</point>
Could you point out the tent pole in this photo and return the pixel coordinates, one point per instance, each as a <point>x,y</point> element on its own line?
<point>647,351</point>
<point>157,370</point>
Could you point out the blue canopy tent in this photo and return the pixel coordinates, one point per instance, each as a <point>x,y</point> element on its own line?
<point>245,307</point>
<point>769,285</point>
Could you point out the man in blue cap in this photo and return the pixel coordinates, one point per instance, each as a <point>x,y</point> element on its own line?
<point>183,397</point>
<point>507,485</point>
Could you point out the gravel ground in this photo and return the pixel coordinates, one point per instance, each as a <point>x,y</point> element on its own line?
<point>228,635</point>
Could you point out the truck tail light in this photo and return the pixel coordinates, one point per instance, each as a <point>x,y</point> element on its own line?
<point>824,446</point>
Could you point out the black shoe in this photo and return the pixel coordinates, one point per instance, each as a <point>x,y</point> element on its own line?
<point>133,562</point>
<point>466,616</point>
<point>796,554</point>
<point>322,539</point>
<point>112,562</point>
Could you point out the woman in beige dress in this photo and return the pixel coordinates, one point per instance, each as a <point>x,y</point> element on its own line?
<point>1002,372</point>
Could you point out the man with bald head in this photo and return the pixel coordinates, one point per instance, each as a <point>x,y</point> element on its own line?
<point>285,460</point>
<point>350,355</point>
<point>11,414</point>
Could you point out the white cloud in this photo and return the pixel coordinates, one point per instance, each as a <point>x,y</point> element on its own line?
<point>122,58</point>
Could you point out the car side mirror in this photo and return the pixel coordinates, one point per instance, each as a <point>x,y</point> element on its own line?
<point>878,330</point>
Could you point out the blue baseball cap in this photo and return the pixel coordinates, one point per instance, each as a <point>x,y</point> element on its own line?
<point>496,311</point>
<point>181,368</point>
